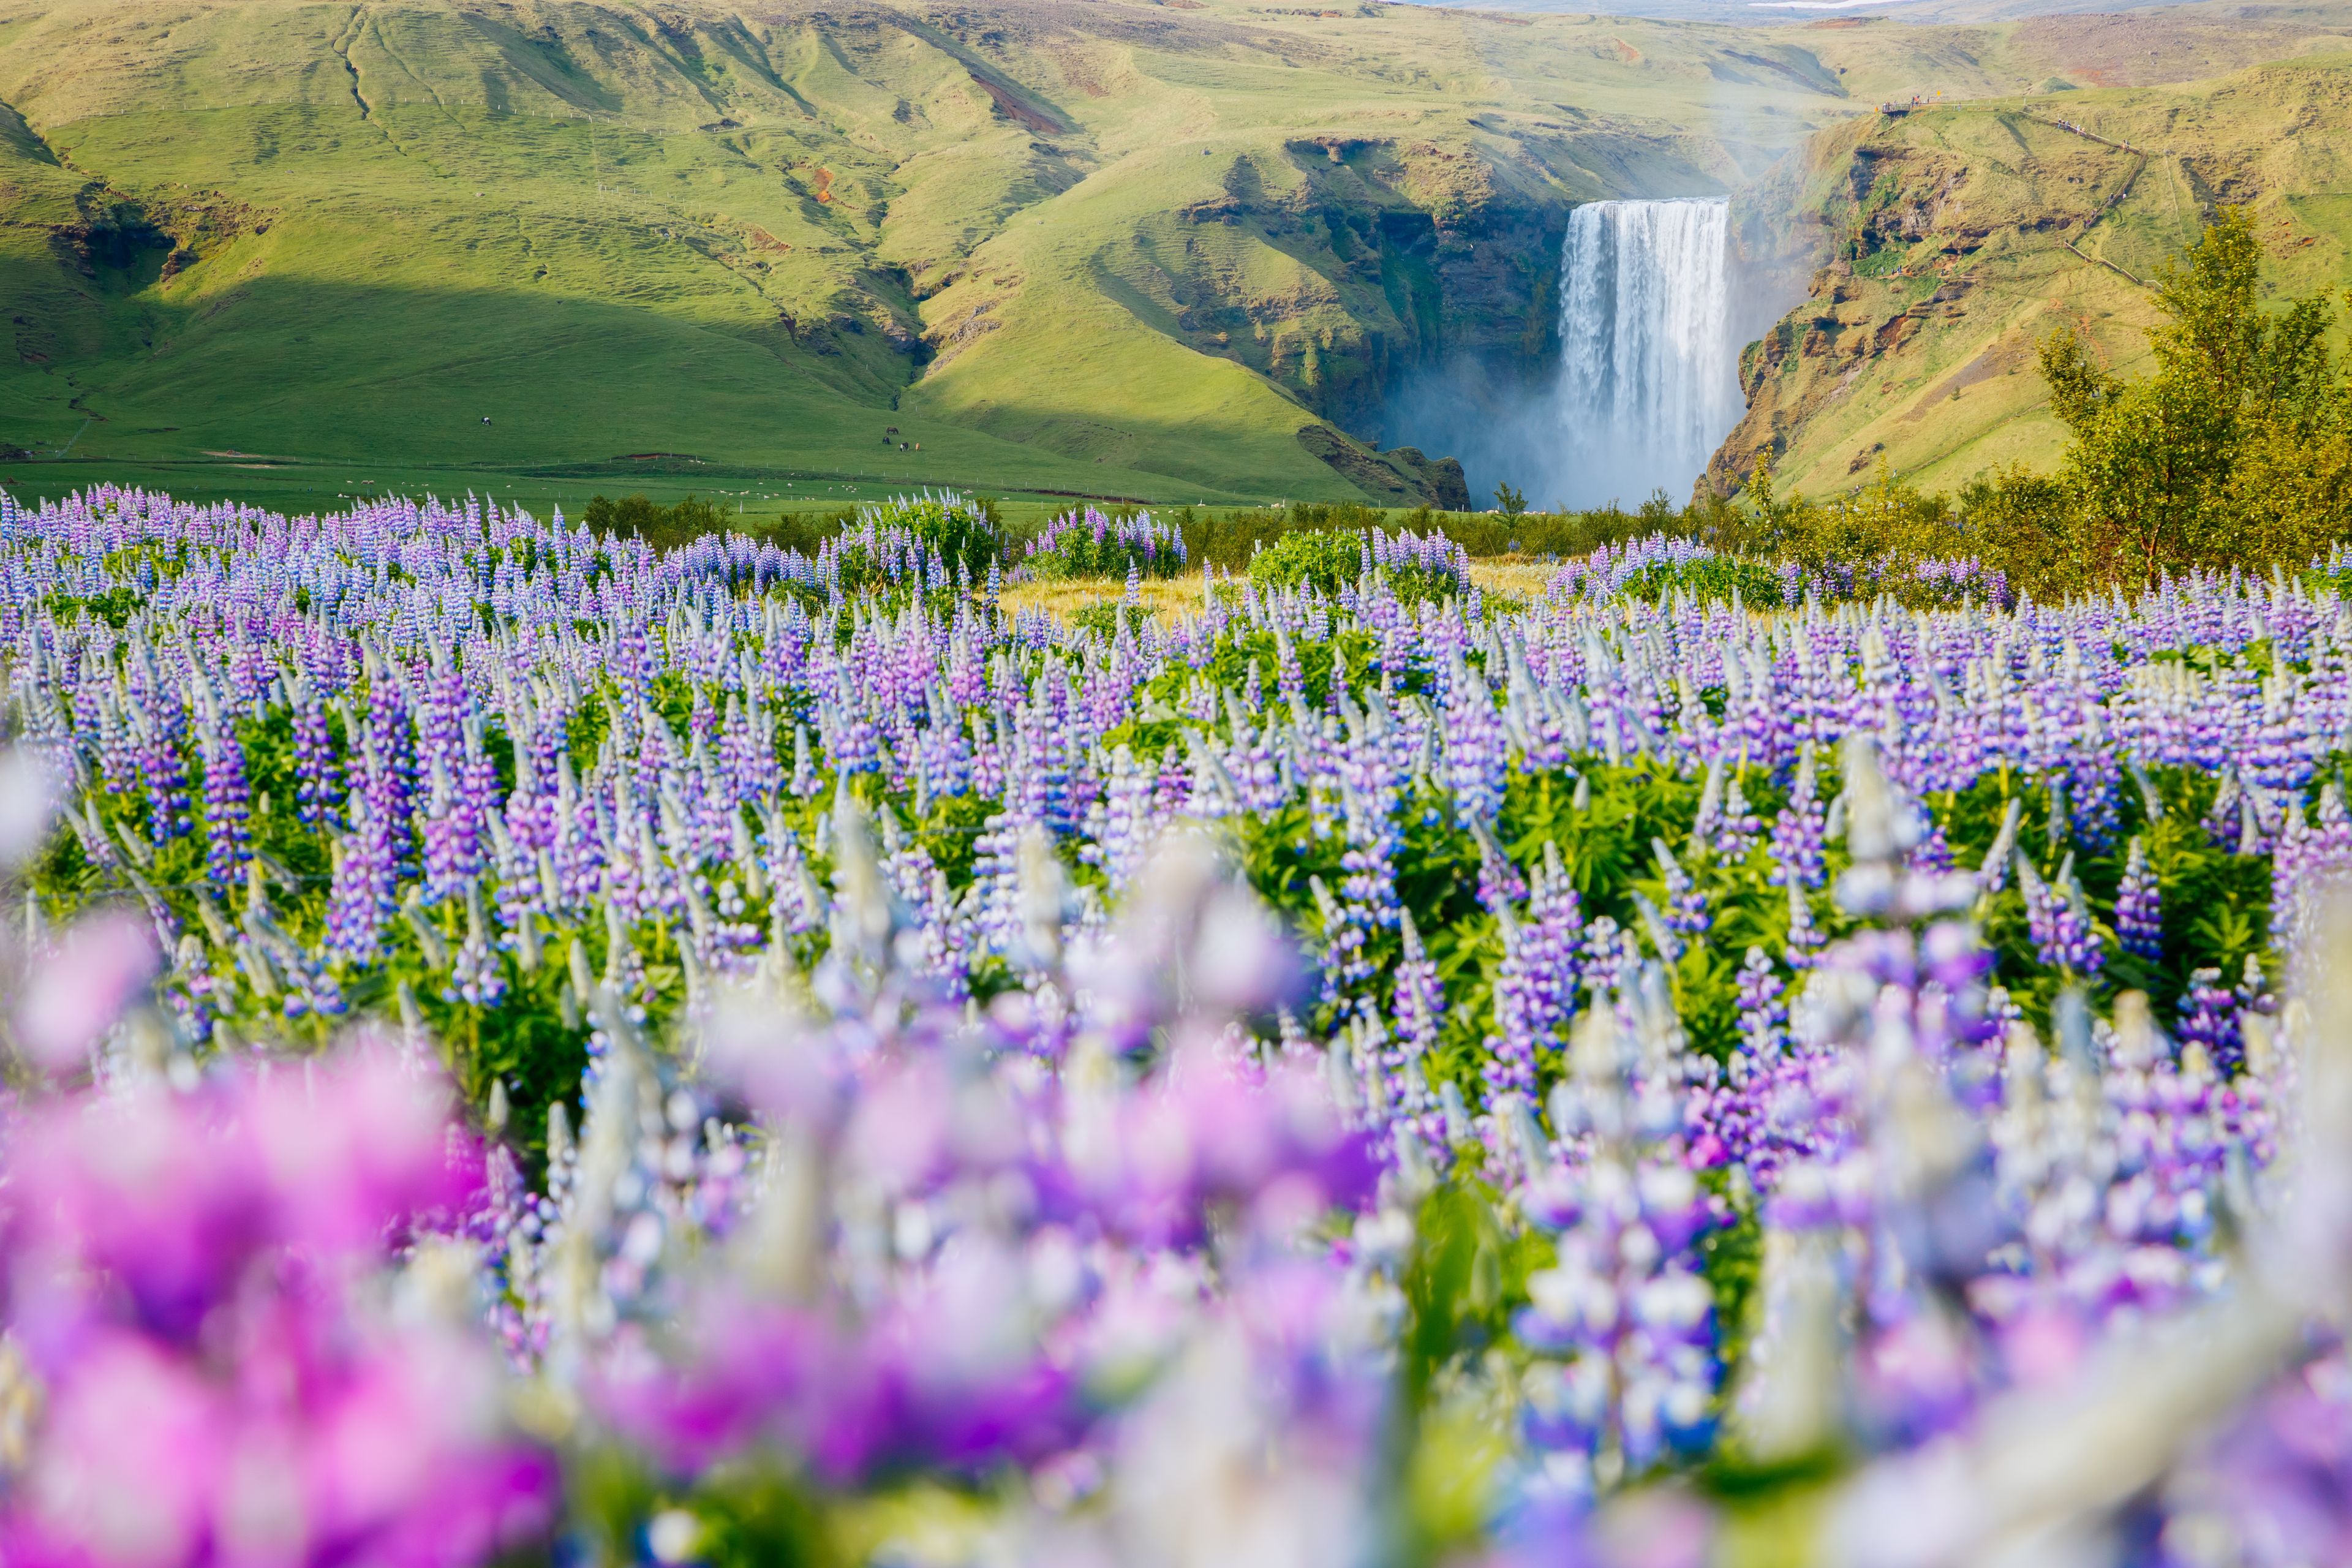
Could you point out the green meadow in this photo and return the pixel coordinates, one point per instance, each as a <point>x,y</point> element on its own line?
<point>787,257</point>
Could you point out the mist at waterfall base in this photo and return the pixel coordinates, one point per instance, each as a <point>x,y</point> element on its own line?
<point>1645,384</point>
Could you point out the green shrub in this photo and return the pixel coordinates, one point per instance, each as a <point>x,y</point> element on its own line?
<point>1095,543</point>
<point>1560,533</point>
<point>663,527</point>
<point>1715,577</point>
<point>1335,516</point>
<point>805,531</point>
<point>1323,561</point>
<point>889,543</point>
<point>965,530</point>
<point>1228,541</point>
<point>1102,617</point>
<point>2024,524</point>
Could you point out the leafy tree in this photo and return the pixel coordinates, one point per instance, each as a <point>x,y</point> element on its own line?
<point>1886,519</point>
<point>2237,450</point>
<point>2026,524</point>
<point>1512,501</point>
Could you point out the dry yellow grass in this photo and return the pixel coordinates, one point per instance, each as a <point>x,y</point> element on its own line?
<point>1175,597</point>
<point>1064,598</point>
<point>1517,575</point>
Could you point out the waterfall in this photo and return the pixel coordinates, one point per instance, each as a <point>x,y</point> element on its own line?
<point>1648,379</point>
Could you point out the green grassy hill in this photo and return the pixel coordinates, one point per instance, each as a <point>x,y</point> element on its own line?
<point>1171,251</point>
<point>1961,237</point>
<point>1096,248</point>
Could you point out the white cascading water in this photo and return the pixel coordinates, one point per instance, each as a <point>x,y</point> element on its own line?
<point>1649,381</point>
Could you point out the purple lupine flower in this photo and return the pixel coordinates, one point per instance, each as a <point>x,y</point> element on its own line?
<point>366,868</point>
<point>1420,1004</point>
<point>208,1302</point>
<point>1992,874</point>
<point>164,767</point>
<point>2139,906</point>
<point>1763,1016</point>
<point>227,805</point>
<point>1609,955</point>
<point>1476,746</point>
<point>2229,821</point>
<point>1742,1117</point>
<point>117,747</point>
<point>1738,827</point>
<point>2082,950</point>
<point>1805,938</point>
<point>1550,939</point>
<point>2252,992</point>
<point>1500,885</point>
<point>388,749</point>
<point>450,856</point>
<point>1512,1051</point>
<point>1933,854</point>
<point>1087,543</point>
<point>318,772</point>
<point>1622,1319</point>
<point>2209,1019</point>
<point>2058,920</point>
<point>1686,910</point>
<point>2041,913</point>
<point>477,971</point>
<point>441,718</point>
<point>1121,823</point>
<point>1797,831</point>
<point>805,781</point>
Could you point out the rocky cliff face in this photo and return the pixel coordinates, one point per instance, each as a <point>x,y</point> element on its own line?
<point>1414,250</point>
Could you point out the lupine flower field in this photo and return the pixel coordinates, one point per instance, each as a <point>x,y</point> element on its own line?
<point>524,1048</point>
